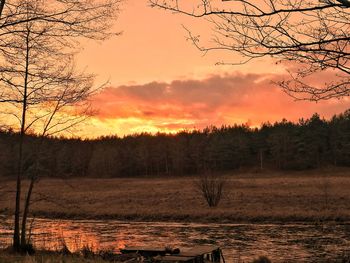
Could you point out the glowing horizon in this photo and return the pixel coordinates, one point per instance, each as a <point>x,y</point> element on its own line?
<point>170,107</point>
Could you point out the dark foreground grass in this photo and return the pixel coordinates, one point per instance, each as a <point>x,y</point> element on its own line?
<point>47,257</point>
<point>84,255</point>
<point>41,256</point>
<point>262,197</point>
<point>6,256</point>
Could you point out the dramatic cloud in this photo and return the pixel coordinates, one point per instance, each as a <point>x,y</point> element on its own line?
<point>217,100</point>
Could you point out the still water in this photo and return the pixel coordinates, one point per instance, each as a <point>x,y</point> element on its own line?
<point>240,242</point>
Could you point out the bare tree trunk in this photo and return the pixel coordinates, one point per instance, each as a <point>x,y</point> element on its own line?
<point>25,212</point>
<point>16,241</point>
<point>29,194</point>
<point>16,233</point>
<point>2,4</point>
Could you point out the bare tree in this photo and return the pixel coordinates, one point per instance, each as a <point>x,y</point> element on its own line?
<point>74,18</point>
<point>39,84</point>
<point>211,187</point>
<point>313,34</point>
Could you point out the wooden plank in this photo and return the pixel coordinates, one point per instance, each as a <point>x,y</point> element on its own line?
<point>198,250</point>
<point>147,249</point>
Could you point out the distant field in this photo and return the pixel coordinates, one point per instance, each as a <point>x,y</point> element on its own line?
<point>248,197</point>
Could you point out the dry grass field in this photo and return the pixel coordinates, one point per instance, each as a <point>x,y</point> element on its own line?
<point>268,197</point>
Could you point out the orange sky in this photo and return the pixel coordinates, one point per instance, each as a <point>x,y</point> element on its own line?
<point>160,82</point>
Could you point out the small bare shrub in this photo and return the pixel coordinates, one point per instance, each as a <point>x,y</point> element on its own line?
<point>211,188</point>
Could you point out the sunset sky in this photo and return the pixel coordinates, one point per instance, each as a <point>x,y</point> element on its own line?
<point>158,81</point>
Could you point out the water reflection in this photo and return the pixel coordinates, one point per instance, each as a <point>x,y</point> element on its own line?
<point>282,243</point>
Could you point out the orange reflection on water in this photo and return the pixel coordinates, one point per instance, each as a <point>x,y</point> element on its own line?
<point>238,241</point>
<point>61,234</point>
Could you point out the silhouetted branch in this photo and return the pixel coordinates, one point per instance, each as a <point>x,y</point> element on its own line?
<point>312,34</point>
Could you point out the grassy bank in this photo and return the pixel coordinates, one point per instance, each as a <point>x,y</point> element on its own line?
<point>57,257</point>
<point>268,197</point>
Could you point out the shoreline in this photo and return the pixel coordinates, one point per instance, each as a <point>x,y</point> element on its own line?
<point>189,220</point>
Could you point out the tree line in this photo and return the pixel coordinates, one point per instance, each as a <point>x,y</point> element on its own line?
<point>307,144</point>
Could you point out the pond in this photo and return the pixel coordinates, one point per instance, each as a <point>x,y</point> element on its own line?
<point>240,242</point>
